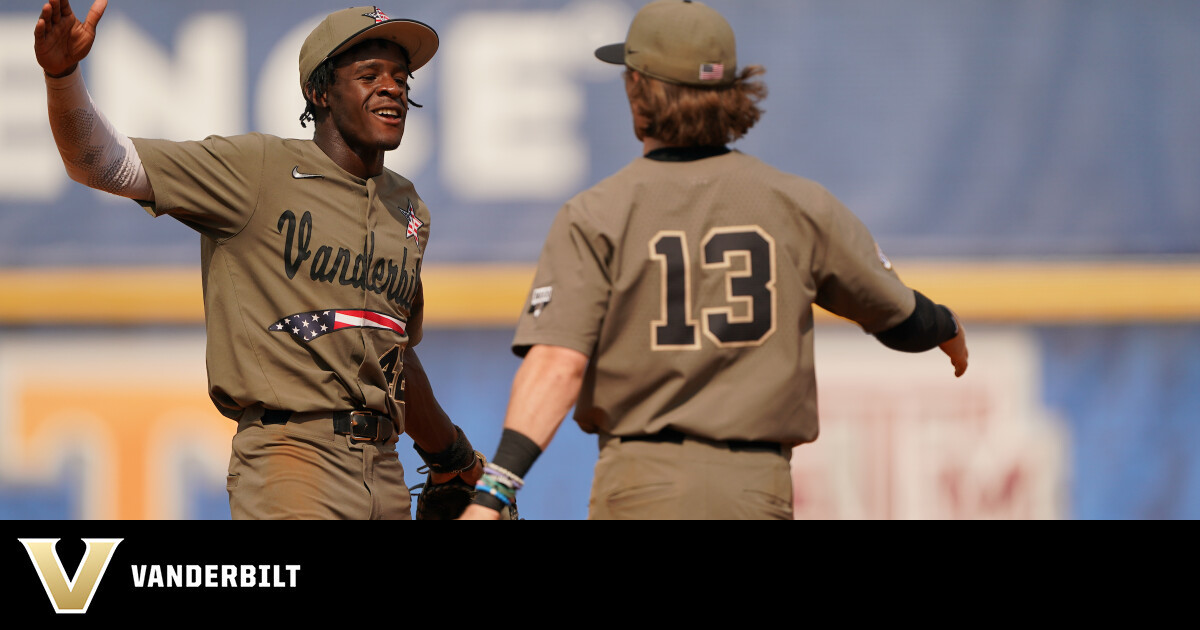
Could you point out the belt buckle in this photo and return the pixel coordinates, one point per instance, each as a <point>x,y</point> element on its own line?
<point>354,424</point>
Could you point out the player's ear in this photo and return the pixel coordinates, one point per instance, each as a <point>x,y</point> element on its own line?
<point>320,100</point>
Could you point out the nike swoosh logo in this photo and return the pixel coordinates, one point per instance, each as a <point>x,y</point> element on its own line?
<point>298,175</point>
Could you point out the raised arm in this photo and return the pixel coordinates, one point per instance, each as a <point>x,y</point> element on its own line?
<point>93,152</point>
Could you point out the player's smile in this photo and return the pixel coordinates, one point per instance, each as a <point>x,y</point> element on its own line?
<point>390,114</point>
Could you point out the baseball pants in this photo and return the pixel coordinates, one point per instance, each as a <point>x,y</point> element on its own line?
<point>693,480</point>
<point>303,470</point>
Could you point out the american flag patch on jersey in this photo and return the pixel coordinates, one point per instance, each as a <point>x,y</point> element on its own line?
<point>308,326</point>
<point>379,16</point>
<point>712,71</point>
<point>414,225</point>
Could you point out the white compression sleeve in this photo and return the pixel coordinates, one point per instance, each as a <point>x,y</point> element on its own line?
<point>94,153</point>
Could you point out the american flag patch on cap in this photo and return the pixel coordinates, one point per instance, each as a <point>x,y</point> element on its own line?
<point>712,71</point>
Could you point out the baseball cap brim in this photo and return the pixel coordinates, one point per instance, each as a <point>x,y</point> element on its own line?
<point>612,53</point>
<point>418,38</point>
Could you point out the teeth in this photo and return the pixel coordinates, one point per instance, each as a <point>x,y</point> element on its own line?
<point>388,112</point>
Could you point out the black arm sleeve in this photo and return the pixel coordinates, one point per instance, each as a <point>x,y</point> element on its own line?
<point>929,325</point>
<point>516,454</point>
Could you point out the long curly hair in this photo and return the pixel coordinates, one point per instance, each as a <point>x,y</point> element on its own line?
<point>684,116</point>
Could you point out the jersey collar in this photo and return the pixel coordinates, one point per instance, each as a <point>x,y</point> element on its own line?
<point>685,154</point>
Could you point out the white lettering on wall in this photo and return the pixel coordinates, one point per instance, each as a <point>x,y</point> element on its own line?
<point>148,92</point>
<point>513,99</point>
<point>509,86</point>
<point>30,168</point>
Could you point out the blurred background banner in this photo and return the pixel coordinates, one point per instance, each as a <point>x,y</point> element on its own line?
<point>1034,164</point>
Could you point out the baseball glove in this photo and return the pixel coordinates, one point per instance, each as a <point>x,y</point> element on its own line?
<point>446,501</point>
<point>442,501</point>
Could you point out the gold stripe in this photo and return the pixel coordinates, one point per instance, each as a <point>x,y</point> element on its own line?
<point>489,295</point>
<point>475,295</point>
<point>100,296</point>
<point>1053,293</point>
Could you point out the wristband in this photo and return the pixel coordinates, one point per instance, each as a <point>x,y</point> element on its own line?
<point>501,479</point>
<point>516,453</point>
<point>457,458</point>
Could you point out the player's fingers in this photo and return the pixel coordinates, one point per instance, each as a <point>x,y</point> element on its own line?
<point>46,15</point>
<point>50,11</point>
<point>95,13</point>
<point>956,350</point>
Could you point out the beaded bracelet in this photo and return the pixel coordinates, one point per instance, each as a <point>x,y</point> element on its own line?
<point>493,486</point>
<point>504,476</point>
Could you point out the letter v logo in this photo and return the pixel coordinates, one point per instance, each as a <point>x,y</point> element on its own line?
<point>72,596</point>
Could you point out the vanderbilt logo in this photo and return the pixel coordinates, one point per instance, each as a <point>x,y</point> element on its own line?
<point>73,595</point>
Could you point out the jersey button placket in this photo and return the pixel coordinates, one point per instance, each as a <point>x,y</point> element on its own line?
<point>364,238</point>
<point>367,227</point>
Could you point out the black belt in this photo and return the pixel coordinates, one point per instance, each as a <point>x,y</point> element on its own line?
<point>677,437</point>
<point>363,426</point>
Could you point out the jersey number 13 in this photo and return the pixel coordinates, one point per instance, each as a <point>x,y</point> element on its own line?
<point>746,317</point>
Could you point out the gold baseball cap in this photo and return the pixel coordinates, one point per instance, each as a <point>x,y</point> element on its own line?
<point>341,30</point>
<point>678,41</point>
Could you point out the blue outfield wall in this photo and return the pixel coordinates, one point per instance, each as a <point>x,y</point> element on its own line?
<point>1130,396</point>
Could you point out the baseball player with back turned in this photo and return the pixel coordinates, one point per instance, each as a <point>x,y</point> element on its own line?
<point>672,304</point>
<point>311,256</point>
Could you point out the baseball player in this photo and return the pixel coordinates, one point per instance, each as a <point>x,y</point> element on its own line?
<point>311,255</point>
<point>672,304</point>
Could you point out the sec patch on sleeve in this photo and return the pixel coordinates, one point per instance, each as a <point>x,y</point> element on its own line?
<point>539,299</point>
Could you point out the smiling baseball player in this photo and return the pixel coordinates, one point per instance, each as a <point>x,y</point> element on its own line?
<point>311,255</point>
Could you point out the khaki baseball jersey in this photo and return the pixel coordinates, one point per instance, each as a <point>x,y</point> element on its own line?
<point>311,275</point>
<point>691,286</point>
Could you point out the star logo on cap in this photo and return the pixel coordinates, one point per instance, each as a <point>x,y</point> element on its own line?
<point>379,16</point>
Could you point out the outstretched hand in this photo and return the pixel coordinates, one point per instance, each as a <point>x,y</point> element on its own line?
<point>956,349</point>
<point>60,40</point>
